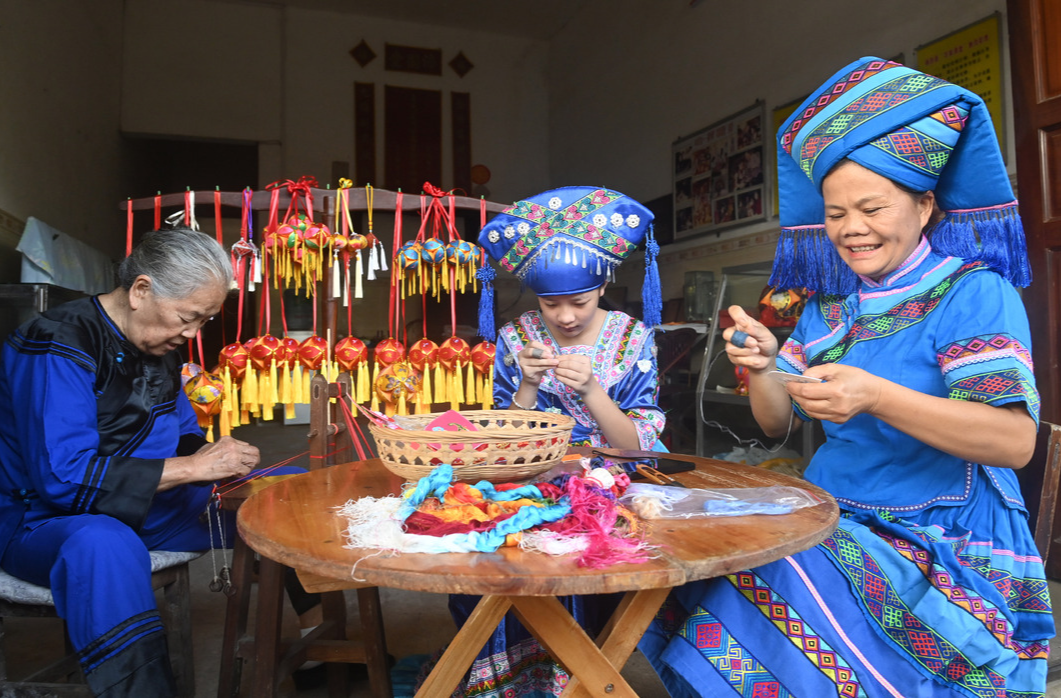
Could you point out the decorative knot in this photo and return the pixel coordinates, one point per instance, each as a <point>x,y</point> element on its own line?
<point>486,273</point>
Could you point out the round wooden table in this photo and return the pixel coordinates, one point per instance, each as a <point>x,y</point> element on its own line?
<point>294,522</point>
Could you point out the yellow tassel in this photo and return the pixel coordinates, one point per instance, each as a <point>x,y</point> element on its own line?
<point>273,396</point>
<point>469,390</point>
<point>289,411</point>
<point>441,394</point>
<point>245,416</point>
<point>210,432</point>
<point>296,386</point>
<point>285,384</point>
<point>250,387</point>
<point>362,382</point>
<point>488,392</point>
<point>401,402</point>
<point>234,418</point>
<point>226,381</point>
<point>224,424</point>
<point>307,376</point>
<point>425,387</point>
<point>265,392</point>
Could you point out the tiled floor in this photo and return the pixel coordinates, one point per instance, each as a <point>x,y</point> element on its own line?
<point>416,623</point>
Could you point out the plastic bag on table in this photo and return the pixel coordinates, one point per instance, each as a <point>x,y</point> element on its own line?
<point>661,502</point>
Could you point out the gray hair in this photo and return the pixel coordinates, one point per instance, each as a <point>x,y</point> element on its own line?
<point>178,261</point>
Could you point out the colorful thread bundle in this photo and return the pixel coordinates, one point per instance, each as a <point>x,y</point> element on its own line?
<point>571,514</point>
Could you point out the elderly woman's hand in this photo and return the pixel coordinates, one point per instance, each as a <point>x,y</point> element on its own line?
<point>225,458</point>
<point>534,360</point>
<point>760,345</point>
<point>845,393</point>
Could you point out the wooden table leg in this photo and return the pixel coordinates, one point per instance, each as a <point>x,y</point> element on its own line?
<point>558,632</point>
<point>620,636</point>
<point>460,654</point>
<point>267,627</point>
<point>237,610</point>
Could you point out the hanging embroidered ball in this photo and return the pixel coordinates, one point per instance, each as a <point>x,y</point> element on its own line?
<point>432,251</point>
<point>189,371</point>
<point>461,252</point>
<point>311,352</point>
<point>482,356</point>
<point>424,354</point>
<point>288,351</point>
<point>262,351</point>
<point>409,256</point>
<point>389,351</point>
<point>452,351</point>
<point>358,241</point>
<point>397,385</point>
<point>339,242</point>
<point>350,352</point>
<point>205,392</point>
<point>234,357</point>
<point>316,235</point>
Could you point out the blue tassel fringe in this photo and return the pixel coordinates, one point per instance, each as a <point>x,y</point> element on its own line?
<point>651,294</point>
<point>486,274</point>
<point>994,236</point>
<point>806,258</point>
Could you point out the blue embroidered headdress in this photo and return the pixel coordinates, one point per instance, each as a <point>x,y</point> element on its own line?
<point>569,240</point>
<point>916,130</point>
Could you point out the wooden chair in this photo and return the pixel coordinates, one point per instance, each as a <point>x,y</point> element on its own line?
<point>1039,482</point>
<point>329,442</point>
<point>21,599</point>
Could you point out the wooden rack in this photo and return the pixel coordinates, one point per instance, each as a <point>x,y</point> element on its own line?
<point>324,201</point>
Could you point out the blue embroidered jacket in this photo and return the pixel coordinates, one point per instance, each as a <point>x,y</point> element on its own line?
<point>939,325</point>
<point>624,362</point>
<point>86,420</point>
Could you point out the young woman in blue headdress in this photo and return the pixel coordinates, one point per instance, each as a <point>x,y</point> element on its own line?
<point>896,209</point>
<point>569,356</point>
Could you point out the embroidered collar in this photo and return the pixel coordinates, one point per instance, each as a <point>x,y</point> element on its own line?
<point>920,253</point>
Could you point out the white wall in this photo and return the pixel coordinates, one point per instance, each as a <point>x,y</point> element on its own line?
<point>60,150</point>
<point>203,69</point>
<point>601,103</point>
<point>649,73</point>
<point>285,77</point>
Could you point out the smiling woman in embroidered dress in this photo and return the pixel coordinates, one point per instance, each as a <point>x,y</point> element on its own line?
<point>896,210</point>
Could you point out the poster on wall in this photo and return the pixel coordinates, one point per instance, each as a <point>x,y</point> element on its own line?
<point>971,57</point>
<point>720,175</point>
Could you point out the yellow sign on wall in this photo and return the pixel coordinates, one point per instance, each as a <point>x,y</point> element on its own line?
<point>970,57</point>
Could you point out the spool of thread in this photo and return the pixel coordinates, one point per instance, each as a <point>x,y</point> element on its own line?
<point>601,477</point>
<point>738,339</point>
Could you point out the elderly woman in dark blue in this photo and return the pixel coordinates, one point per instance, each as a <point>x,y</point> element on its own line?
<point>896,208</point>
<point>569,356</point>
<point>101,458</point>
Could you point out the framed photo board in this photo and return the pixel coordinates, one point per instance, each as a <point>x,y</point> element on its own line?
<point>971,57</point>
<point>720,174</point>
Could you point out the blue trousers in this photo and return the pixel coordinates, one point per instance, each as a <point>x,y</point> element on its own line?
<point>99,571</point>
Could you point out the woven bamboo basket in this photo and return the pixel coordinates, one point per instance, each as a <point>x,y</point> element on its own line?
<point>508,446</point>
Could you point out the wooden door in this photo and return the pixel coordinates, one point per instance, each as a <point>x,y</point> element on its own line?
<point>1035,57</point>
<point>412,139</point>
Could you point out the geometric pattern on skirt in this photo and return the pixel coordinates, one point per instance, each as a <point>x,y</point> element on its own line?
<point>922,643</point>
<point>743,671</point>
<point>788,621</point>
